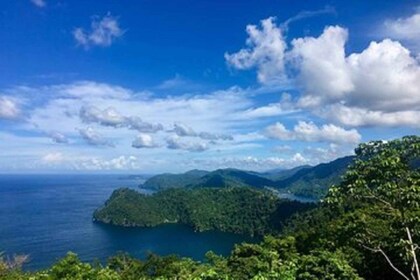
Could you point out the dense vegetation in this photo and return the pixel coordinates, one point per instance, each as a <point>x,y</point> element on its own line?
<point>238,210</point>
<point>308,181</point>
<point>315,181</point>
<point>368,227</point>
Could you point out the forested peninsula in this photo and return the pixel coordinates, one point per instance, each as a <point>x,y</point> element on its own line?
<point>237,209</point>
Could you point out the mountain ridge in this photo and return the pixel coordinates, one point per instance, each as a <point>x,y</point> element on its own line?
<point>305,180</point>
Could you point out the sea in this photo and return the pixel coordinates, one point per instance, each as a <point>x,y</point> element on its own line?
<point>46,216</point>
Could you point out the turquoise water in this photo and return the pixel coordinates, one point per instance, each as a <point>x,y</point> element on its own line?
<point>46,216</point>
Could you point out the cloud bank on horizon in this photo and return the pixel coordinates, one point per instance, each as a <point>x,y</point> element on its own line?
<point>312,101</point>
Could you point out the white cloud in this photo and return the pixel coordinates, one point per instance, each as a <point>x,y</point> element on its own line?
<point>9,108</point>
<point>284,107</point>
<point>405,28</point>
<point>332,152</point>
<point>354,116</point>
<point>265,51</point>
<point>308,14</point>
<point>309,132</point>
<point>110,111</point>
<point>184,130</point>
<point>322,65</point>
<point>252,162</point>
<point>39,3</point>
<point>144,141</point>
<point>118,163</point>
<point>89,89</point>
<point>93,137</point>
<point>176,143</point>
<point>103,32</point>
<point>58,137</point>
<point>54,157</point>
<point>136,123</point>
<point>382,80</point>
<point>111,117</point>
<point>107,117</point>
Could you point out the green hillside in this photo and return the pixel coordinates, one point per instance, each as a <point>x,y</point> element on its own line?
<point>238,210</point>
<point>315,181</point>
<point>167,180</point>
<point>309,181</point>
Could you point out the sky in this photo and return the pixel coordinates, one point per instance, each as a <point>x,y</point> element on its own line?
<point>150,86</point>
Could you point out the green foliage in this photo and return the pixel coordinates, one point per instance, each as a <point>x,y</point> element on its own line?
<point>238,210</point>
<point>367,215</point>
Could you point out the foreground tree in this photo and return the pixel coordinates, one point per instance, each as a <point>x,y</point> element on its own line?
<point>382,193</point>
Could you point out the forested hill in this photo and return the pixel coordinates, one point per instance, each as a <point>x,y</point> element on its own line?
<point>315,181</point>
<point>238,210</point>
<point>168,180</point>
<point>308,181</point>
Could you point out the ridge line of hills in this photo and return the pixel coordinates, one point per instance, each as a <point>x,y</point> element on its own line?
<point>307,181</point>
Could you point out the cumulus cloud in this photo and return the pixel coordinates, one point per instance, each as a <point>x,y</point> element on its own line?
<point>309,132</point>
<point>138,124</point>
<point>93,137</point>
<point>107,117</point>
<point>380,85</point>
<point>9,108</point>
<point>144,141</point>
<point>104,31</point>
<point>405,28</point>
<point>382,80</point>
<point>111,117</point>
<point>183,130</point>
<point>176,143</point>
<point>39,3</point>
<point>58,137</point>
<point>354,116</point>
<point>265,51</point>
<point>322,65</point>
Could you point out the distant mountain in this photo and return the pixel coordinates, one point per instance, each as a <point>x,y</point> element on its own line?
<point>232,178</point>
<point>280,174</point>
<point>315,181</point>
<point>199,179</point>
<point>167,180</point>
<point>309,181</point>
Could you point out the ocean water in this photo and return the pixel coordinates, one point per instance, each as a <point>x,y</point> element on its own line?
<point>45,216</point>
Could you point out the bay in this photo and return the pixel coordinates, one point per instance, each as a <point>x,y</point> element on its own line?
<point>45,216</point>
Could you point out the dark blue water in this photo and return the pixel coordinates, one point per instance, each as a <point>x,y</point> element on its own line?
<point>46,216</point>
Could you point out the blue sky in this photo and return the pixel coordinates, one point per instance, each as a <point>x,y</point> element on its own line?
<point>154,86</point>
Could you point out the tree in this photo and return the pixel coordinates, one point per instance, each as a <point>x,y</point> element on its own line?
<point>383,187</point>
